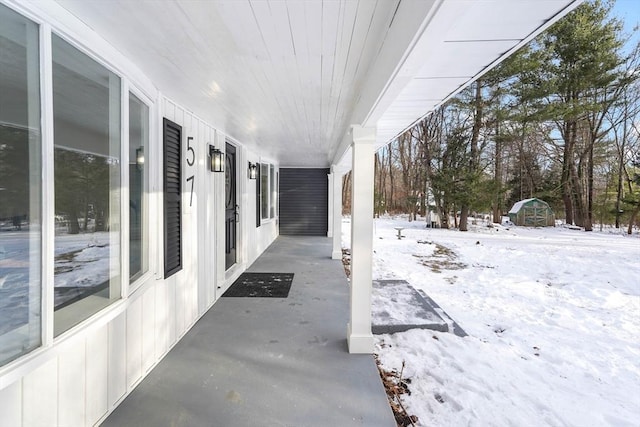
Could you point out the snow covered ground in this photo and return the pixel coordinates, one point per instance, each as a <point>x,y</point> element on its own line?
<point>553,317</point>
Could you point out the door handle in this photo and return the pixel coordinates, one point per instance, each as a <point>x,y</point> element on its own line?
<point>236,213</point>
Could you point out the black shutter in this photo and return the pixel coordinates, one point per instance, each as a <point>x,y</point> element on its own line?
<point>304,202</point>
<point>258,210</point>
<point>172,198</point>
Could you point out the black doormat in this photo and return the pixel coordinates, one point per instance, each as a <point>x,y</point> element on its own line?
<point>261,285</point>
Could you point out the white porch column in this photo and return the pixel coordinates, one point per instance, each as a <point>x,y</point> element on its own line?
<point>360,337</point>
<point>335,200</point>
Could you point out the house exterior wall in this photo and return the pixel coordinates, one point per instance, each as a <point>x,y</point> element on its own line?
<point>80,376</point>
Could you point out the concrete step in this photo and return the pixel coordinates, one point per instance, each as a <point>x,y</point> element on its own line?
<point>396,306</point>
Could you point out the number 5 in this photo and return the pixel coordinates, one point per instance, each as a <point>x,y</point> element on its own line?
<point>190,149</point>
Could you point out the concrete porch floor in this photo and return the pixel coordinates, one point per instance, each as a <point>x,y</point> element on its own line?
<point>267,361</point>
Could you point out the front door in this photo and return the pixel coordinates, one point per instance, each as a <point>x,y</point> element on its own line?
<point>231,209</point>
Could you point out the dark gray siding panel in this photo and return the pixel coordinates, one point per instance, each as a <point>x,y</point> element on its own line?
<point>304,202</point>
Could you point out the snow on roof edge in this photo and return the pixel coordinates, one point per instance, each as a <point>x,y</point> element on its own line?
<point>517,205</point>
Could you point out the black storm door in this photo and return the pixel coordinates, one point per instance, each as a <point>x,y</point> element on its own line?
<point>231,207</point>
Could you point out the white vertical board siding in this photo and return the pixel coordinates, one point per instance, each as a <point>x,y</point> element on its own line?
<point>97,348</point>
<point>117,359</point>
<point>206,233</point>
<point>40,396</point>
<point>162,317</point>
<point>249,219</point>
<point>11,405</point>
<point>71,384</point>
<point>189,206</point>
<point>134,342</point>
<point>183,292</point>
<point>149,341</point>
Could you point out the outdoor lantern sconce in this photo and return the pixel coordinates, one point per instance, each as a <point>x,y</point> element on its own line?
<point>216,158</point>
<point>253,170</point>
<point>140,158</point>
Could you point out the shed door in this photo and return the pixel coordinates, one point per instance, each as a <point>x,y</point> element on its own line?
<point>304,202</point>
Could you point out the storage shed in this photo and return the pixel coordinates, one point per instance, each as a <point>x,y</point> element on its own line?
<point>532,213</point>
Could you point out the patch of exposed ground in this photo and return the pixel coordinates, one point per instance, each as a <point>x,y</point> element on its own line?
<point>442,258</point>
<point>396,386</point>
<point>346,261</point>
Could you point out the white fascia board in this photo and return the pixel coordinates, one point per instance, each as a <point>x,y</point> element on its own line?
<point>564,11</point>
<point>408,24</point>
<point>434,25</point>
<point>402,50</point>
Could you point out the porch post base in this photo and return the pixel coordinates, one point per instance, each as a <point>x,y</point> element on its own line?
<point>359,343</point>
<point>336,255</point>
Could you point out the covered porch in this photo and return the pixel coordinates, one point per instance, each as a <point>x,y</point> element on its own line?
<point>284,362</point>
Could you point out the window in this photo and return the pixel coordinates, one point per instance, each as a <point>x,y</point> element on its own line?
<point>272,186</point>
<point>172,198</point>
<point>138,187</point>
<point>267,192</point>
<point>264,190</point>
<point>258,196</point>
<point>86,109</point>
<point>20,187</point>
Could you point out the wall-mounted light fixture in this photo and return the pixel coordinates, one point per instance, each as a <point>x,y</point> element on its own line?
<point>253,170</point>
<point>216,158</point>
<point>140,158</point>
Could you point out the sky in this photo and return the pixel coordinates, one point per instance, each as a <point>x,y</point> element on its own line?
<point>629,12</point>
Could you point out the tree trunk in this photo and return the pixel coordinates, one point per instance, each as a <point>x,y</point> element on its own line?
<point>588,225</point>
<point>497,177</point>
<point>391,202</point>
<point>73,226</point>
<point>346,194</point>
<point>576,196</point>
<point>567,160</point>
<point>464,215</point>
<point>475,136</point>
<point>632,220</point>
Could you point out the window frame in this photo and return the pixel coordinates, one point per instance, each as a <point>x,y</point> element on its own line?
<point>100,51</point>
<point>40,151</point>
<point>129,285</point>
<point>50,143</point>
<point>272,192</point>
<point>264,191</point>
<point>268,203</point>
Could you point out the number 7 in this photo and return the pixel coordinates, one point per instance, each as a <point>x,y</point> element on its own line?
<point>191,178</point>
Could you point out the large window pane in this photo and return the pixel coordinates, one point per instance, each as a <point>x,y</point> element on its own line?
<point>264,190</point>
<point>20,187</point>
<point>138,187</point>
<point>86,107</point>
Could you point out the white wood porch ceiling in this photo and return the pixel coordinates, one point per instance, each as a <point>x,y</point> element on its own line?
<point>288,77</point>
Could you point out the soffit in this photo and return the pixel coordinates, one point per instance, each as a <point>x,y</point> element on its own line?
<point>288,78</point>
<point>279,76</point>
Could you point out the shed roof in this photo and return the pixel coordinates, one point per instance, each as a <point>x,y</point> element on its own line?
<point>518,205</point>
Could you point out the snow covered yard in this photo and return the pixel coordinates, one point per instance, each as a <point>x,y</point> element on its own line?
<point>553,317</point>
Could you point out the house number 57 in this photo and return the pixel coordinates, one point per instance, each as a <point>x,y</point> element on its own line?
<point>191,159</point>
